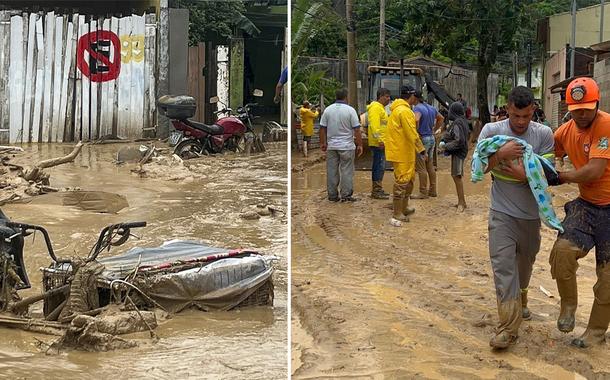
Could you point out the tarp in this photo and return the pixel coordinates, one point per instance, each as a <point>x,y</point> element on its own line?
<point>218,285</point>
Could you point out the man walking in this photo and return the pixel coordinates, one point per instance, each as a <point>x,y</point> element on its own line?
<point>401,144</point>
<point>378,123</point>
<point>587,223</point>
<point>338,128</point>
<point>514,223</point>
<point>428,121</point>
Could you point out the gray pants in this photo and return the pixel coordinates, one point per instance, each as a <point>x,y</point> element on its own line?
<point>340,172</point>
<point>513,245</point>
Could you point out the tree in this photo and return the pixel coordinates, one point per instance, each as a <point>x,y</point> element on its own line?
<point>215,20</point>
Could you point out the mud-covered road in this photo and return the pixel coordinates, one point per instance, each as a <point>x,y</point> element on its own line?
<point>202,202</point>
<point>374,301</point>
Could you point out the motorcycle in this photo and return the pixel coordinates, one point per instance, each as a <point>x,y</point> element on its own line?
<point>234,132</point>
<point>175,276</point>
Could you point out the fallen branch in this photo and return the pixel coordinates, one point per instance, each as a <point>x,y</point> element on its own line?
<point>37,174</point>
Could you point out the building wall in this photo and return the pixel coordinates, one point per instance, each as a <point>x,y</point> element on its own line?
<point>587,27</point>
<point>601,75</point>
<point>554,72</point>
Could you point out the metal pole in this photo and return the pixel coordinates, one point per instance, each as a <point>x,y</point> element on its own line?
<point>515,70</point>
<point>601,23</point>
<point>529,65</point>
<point>573,40</point>
<point>401,77</point>
<point>351,55</point>
<point>381,32</point>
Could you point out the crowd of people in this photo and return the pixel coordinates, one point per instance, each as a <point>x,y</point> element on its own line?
<point>518,148</point>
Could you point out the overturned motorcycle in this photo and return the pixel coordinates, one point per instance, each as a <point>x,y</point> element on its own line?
<point>89,301</point>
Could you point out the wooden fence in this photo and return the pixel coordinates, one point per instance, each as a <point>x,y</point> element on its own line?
<point>76,77</point>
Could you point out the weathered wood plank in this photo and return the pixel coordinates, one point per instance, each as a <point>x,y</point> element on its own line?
<point>113,96</point>
<point>47,111</point>
<point>30,88</point>
<point>5,26</point>
<point>69,125</point>
<point>40,55</point>
<point>149,69</point>
<point>137,77</point>
<point>78,93</point>
<point>65,87</point>
<point>124,79</point>
<point>16,79</point>
<point>86,93</point>
<point>57,132</point>
<point>105,117</point>
<point>93,130</point>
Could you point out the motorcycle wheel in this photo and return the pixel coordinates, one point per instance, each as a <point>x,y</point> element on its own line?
<point>236,144</point>
<point>187,149</point>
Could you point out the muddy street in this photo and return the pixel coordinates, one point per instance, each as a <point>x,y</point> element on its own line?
<point>200,200</point>
<point>373,301</point>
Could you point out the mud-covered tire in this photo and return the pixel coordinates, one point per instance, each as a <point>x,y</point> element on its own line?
<point>236,144</point>
<point>187,149</point>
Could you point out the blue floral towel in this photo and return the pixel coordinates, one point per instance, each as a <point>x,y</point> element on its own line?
<point>533,170</point>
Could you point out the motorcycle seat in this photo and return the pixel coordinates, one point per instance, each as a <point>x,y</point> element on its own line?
<point>213,129</point>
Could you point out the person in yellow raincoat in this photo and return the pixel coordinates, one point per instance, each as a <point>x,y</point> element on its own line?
<point>378,123</point>
<point>307,117</point>
<point>402,142</point>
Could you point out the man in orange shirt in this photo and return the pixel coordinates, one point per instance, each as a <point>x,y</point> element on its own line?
<point>587,223</point>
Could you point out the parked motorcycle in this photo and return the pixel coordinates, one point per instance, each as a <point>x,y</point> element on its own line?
<point>234,132</point>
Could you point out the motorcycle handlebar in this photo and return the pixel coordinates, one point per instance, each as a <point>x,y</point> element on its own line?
<point>47,239</point>
<point>133,225</point>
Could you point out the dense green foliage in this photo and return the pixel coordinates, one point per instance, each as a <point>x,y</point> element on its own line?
<point>211,20</point>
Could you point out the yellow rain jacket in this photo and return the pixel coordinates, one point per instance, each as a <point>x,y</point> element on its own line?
<point>378,123</point>
<point>401,139</point>
<point>307,118</point>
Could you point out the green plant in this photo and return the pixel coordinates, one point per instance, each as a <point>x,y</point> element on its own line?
<point>311,82</point>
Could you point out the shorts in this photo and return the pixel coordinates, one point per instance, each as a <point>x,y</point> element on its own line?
<point>587,226</point>
<point>307,138</point>
<point>457,166</point>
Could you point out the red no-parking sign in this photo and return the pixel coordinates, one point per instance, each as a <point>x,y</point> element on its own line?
<point>97,66</point>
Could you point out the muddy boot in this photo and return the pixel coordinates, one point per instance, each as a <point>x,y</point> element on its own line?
<point>563,259</point>
<point>397,206</point>
<point>432,189</point>
<point>397,214</point>
<point>407,193</point>
<point>600,312</point>
<point>509,314</point>
<point>423,194</point>
<point>525,312</point>
<point>377,192</point>
<point>305,148</point>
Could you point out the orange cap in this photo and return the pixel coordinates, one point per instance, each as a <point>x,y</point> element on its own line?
<point>582,93</point>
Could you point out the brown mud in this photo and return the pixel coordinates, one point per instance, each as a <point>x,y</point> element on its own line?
<point>204,204</point>
<point>374,301</point>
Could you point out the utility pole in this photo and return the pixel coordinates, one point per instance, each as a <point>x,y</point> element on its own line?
<point>352,90</point>
<point>573,40</point>
<point>515,70</point>
<point>529,65</point>
<point>601,23</point>
<point>381,58</point>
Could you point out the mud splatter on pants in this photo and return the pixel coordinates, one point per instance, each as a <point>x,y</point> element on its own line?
<point>513,245</point>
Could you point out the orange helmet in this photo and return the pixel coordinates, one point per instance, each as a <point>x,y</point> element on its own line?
<point>582,93</point>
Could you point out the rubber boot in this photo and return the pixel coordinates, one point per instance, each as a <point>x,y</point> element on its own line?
<point>525,311</point>
<point>432,189</point>
<point>600,312</point>
<point>509,315</point>
<point>407,193</point>
<point>563,259</point>
<point>397,203</point>
<point>305,148</point>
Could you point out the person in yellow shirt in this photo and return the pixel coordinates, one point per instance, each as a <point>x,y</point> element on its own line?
<point>401,143</point>
<point>307,118</point>
<point>378,123</point>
